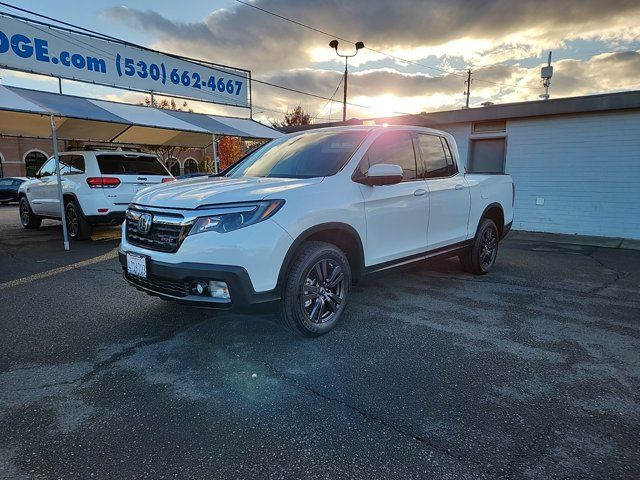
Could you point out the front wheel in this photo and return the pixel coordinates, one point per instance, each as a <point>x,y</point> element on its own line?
<point>482,255</point>
<point>316,289</point>
<point>28,219</point>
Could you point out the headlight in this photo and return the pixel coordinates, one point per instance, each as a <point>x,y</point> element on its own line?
<point>232,217</point>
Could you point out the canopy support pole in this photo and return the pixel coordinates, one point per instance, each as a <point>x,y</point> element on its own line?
<point>214,149</point>
<point>54,138</point>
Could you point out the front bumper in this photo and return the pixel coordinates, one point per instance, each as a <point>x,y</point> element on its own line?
<point>171,281</point>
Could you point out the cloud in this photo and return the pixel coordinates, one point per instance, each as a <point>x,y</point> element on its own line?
<point>389,91</point>
<point>496,38</point>
<point>476,30</point>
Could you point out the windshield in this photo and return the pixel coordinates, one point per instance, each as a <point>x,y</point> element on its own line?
<point>314,154</point>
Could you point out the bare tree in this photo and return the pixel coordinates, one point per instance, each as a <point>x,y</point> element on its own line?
<point>293,118</point>
<point>165,153</point>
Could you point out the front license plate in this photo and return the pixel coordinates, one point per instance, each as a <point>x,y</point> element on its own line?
<point>137,265</point>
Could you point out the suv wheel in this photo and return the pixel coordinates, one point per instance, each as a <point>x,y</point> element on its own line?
<point>27,217</point>
<point>77,226</point>
<point>316,289</point>
<point>482,255</point>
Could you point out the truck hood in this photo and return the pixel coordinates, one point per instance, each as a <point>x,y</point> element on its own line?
<point>193,193</point>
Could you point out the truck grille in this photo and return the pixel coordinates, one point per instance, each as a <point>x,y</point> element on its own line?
<point>160,285</point>
<point>161,237</point>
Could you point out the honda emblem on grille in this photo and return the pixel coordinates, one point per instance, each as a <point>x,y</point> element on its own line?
<point>144,223</point>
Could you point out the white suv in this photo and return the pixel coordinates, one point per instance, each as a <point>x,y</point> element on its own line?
<point>97,187</point>
<point>303,217</point>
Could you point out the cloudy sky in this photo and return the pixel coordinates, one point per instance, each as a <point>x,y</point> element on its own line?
<point>596,48</point>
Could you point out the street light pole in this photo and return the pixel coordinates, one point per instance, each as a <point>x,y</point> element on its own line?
<point>334,44</point>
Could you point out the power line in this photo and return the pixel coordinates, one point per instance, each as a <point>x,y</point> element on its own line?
<point>331,100</point>
<point>390,55</point>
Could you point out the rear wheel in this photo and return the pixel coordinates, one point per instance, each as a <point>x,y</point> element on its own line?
<point>28,219</point>
<point>77,226</point>
<point>316,289</point>
<point>482,255</point>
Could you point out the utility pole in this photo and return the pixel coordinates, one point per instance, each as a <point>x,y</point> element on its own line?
<point>467,83</point>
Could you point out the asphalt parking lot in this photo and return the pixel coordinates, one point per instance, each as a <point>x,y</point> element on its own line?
<point>530,372</point>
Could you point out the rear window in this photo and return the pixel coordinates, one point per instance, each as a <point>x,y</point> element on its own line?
<point>130,165</point>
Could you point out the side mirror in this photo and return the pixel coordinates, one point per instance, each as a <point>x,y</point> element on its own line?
<point>383,174</point>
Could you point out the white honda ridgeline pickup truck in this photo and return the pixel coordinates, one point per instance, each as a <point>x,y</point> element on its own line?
<point>306,215</point>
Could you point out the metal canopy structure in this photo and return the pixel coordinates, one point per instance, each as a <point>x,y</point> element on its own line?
<point>26,113</point>
<point>37,114</point>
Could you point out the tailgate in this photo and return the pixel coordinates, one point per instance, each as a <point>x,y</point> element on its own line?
<point>129,186</point>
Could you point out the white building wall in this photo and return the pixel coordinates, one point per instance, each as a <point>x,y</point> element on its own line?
<point>585,168</point>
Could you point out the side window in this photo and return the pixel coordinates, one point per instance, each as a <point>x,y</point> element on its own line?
<point>71,164</point>
<point>394,148</point>
<point>6,182</point>
<point>453,169</point>
<point>48,168</point>
<point>433,156</point>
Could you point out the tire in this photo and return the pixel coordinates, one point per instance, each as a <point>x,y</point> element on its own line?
<point>77,226</point>
<point>28,219</point>
<point>322,272</point>
<point>481,257</point>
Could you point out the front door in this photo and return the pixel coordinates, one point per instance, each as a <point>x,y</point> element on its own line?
<point>396,215</point>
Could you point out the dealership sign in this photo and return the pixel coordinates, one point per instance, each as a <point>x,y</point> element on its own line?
<point>36,48</point>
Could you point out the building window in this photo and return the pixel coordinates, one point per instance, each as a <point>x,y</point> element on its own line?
<point>487,155</point>
<point>174,166</point>
<point>190,166</point>
<point>490,126</point>
<point>33,161</point>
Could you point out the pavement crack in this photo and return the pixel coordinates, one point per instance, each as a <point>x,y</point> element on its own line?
<point>106,364</point>
<point>366,415</point>
<point>618,275</point>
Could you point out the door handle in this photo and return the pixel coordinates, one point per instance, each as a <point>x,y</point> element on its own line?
<point>419,192</point>
<point>459,186</point>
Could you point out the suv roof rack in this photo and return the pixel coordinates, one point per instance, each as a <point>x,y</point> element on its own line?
<point>115,149</point>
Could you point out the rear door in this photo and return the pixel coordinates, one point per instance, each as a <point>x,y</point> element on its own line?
<point>135,171</point>
<point>449,199</point>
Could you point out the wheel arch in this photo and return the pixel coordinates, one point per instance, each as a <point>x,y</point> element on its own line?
<point>341,235</point>
<point>495,212</point>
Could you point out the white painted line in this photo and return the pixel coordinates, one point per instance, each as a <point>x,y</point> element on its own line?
<point>50,273</point>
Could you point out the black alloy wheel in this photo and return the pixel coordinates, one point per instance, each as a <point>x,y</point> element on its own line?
<point>323,291</point>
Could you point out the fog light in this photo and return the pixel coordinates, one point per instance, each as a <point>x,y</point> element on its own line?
<point>198,288</point>
<point>219,289</point>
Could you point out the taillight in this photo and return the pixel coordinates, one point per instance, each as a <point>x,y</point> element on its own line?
<point>103,182</point>
<point>513,194</point>
<point>167,179</point>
